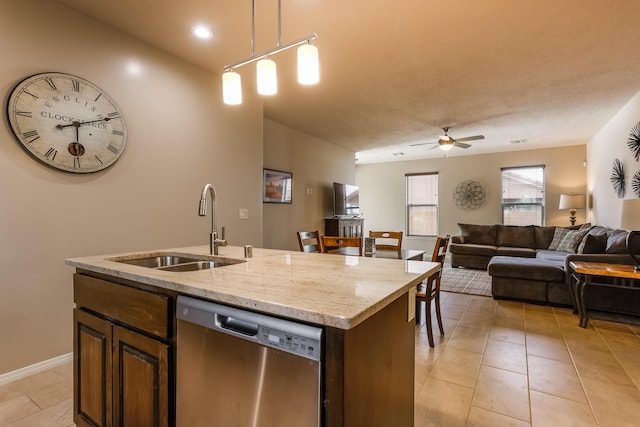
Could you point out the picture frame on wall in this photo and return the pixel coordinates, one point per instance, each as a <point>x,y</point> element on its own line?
<point>277,186</point>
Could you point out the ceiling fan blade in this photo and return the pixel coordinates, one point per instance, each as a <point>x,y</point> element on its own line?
<point>461,144</point>
<point>434,147</point>
<point>422,143</point>
<point>470,138</point>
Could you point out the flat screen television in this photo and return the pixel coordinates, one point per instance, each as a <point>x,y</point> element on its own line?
<point>346,200</point>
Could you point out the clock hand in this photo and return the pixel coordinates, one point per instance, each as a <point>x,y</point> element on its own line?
<point>78,124</point>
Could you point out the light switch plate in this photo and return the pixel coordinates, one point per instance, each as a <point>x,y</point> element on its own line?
<point>244,213</point>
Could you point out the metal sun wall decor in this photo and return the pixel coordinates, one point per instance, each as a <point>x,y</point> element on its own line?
<point>635,184</point>
<point>618,178</point>
<point>634,141</point>
<point>469,195</point>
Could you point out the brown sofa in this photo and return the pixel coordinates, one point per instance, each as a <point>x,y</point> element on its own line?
<point>531,263</point>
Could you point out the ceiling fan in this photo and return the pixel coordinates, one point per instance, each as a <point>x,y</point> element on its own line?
<point>446,142</point>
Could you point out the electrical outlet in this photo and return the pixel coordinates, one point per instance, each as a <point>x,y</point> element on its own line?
<point>244,213</point>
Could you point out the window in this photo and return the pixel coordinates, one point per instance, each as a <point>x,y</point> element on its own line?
<point>422,204</point>
<point>523,195</point>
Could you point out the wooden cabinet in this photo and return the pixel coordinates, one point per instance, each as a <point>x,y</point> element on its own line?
<point>124,358</point>
<point>344,227</point>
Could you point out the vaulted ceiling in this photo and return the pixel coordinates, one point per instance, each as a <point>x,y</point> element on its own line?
<point>393,74</point>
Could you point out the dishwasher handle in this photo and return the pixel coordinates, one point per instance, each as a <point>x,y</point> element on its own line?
<point>249,329</point>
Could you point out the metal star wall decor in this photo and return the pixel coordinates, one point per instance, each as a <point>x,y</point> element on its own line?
<point>634,141</point>
<point>617,178</point>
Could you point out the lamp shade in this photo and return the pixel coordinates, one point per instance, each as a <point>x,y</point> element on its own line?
<point>446,146</point>
<point>267,78</point>
<point>630,219</point>
<point>231,88</point>
<point>308,65</point>
<point>572,201</point>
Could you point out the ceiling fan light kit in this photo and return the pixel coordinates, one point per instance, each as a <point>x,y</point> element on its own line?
<point>308,64</point>
<point>446,142</point>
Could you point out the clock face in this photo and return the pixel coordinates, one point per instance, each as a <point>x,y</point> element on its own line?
<point>66,122</point>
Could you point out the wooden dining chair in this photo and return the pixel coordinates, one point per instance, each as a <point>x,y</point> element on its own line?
<point>330,243</point>
<point>429,290</point>
<point>388,237</point>
<point>309,241</point>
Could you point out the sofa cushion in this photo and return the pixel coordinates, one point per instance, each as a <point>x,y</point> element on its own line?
<point>553,256</point>
<point>558,235</point>
<point>571,240</point>
<point>617,242</point>
<point>472,249</point>
<point>521,252</point>
<point>526,268</point>
<point>593,244</point>
<point>516,236</point>
<point>479,234</point>
<point>543,236</point>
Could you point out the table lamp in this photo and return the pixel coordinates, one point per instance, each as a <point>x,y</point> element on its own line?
<point>572,202</point>
<point>631,221</point>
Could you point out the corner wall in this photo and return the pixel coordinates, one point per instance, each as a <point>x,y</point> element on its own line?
<point>180,136</point>
<point>610,144</point>
<point>315,165</point>
<point>383,192</point>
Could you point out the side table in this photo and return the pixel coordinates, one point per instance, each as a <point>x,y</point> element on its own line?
<point>585,271</point>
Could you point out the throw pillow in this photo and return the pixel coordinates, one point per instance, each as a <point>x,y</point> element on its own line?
<point>593,244</point>
<point>558,235</point>
<point>617,242</point>
<point>571,240</point>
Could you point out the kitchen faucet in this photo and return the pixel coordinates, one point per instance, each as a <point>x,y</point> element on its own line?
<point>214,242</point>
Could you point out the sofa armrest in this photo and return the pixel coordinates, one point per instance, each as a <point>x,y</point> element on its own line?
<point>458,239</point>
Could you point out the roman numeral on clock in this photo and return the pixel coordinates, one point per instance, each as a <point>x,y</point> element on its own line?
<point>99,161</point>
<point>51,154</point>
<point>23,113</point>
<point>113,149</point>
<point>76,85</point>
<point>50,83</point>
<point>31,136</point>
<point>76,162</point>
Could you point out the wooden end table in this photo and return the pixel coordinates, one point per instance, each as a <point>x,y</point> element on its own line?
<point>585,271</point>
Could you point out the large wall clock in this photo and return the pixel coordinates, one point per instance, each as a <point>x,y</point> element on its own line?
<point>66,122</point>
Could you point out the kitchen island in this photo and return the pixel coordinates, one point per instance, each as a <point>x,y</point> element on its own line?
<point>364,305</point>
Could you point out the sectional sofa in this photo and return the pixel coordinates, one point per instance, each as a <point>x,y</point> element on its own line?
<point>531,263</point>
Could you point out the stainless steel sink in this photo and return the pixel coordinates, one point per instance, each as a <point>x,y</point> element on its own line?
<point>179,263</point>
<point>159,261</point>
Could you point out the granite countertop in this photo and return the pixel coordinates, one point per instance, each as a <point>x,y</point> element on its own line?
<point>331,290</point>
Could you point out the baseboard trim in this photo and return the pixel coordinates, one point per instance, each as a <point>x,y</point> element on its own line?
<point>35,368</point>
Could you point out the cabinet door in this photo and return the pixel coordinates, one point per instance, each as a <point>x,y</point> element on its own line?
<point>141,380</point>
<point>92,368</point>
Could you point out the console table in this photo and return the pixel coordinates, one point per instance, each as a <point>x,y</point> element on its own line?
<point>344,226</point>
<point>585,271</point>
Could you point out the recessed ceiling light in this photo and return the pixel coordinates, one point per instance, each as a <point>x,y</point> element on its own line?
<point>202,32</point>
<point>398,154</point>
<point>518,141</point>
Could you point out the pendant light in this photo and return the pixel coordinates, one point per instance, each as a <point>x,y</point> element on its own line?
<point>267,81</point>
<point>267,78</point>
<point>231,88</point>
<point>308,64</point>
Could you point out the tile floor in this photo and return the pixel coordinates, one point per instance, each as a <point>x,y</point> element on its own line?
<point>504,363</point>
<point>500,363</point>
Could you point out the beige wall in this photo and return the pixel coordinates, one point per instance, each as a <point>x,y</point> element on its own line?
<point>610,144</point>
<point>382,188</point>
<point>180,137</point>
<point>315,165</point>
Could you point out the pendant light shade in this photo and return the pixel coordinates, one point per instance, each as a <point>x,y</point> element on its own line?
<point>231,88</point>
<point>267,79</point>
<point>308,65</point>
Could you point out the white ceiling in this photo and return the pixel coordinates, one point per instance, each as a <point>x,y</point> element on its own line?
<point>551,72</point>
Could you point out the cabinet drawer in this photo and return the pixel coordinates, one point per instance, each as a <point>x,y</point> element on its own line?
<point>147,311</point>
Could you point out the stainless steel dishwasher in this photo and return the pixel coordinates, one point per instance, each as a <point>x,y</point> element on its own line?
<point>241,368</point>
